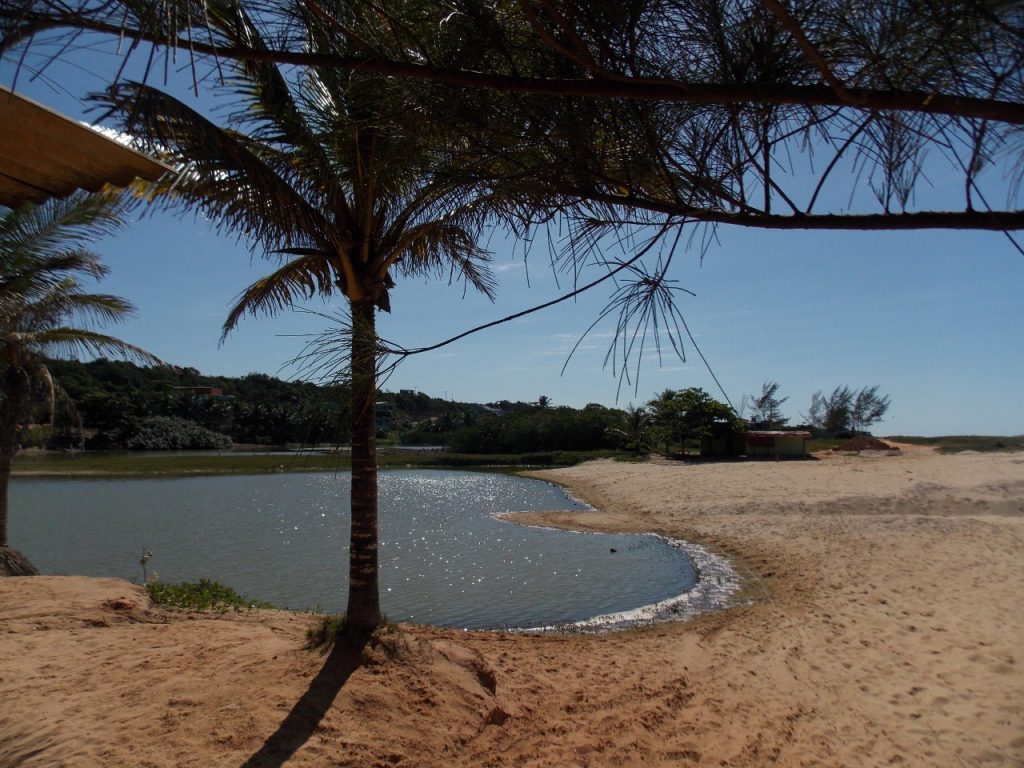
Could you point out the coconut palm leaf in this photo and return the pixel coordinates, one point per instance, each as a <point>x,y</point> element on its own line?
<point>220,171</point>
<point>70,341</point>
<point>65,300</point>
<point>271,111</point>
<point>436,247</point>
<point>33,269</point>
<point>29,234</point>
<point>24,276</point>
<point>302,278</point>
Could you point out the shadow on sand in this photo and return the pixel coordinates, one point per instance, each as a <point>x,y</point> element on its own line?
<point>344,658</point>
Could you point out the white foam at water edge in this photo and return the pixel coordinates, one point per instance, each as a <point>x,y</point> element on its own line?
<point>716,582</point>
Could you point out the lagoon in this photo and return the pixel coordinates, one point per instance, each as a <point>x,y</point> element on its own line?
<point>445,558</point>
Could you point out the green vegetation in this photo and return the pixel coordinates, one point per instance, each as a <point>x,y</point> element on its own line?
<point>325,632</point>
<point>959,443</point>
<point>328,630</point>
<point>170,433</point>
<point>203,595</point>
<point>541,428</point>
<point>116,400</point>
<point>124,406</point>
<point>846,410</point>
<point>692,418</point>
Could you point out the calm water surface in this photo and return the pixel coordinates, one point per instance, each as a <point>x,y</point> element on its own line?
<point>445,559</point>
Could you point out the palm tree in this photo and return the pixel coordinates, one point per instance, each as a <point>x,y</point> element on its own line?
<point>45,312</point>
<point>636,427</point>
<point>332,175</point>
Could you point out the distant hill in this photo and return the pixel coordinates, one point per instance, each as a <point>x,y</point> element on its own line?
<point>118,400</point>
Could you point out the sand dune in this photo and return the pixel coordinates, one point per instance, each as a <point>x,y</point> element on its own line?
<point>881,624</point>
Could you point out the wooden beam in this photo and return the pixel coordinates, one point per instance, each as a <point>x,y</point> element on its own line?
<point>45,154</point>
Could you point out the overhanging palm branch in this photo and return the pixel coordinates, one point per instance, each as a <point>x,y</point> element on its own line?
<point>224,173</point>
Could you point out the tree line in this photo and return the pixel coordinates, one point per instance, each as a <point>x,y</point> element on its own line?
<point>124,406</point>
<point>690,419</point>
<point>843,410</point>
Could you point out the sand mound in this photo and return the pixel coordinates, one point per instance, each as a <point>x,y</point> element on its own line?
<point>864,443</point>
<point>101,676</point>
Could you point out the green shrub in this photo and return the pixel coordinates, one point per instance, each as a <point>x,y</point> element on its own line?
<point>328,630</point>
<point>203,595</point>
<point>170,433</point>
<point>36,436</point>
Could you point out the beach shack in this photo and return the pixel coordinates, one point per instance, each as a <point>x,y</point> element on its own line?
<point>778,444</point>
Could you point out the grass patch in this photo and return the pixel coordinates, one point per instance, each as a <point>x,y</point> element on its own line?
<point>328,630</point>
<point>960,443</point>
<point>322,635</point>
<point>203,595</point>
<point>122,464</point>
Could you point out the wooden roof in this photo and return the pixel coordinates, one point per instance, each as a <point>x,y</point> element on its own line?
<point>44,154</point>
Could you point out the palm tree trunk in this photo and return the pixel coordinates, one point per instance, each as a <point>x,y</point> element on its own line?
<point>12,562</point>
<point>363,612</point>
<point>13,393</point>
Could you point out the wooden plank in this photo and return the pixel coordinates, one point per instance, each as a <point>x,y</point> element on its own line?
<point>42,150</point>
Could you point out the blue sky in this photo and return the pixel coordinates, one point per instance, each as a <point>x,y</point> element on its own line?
<point>933,318</point>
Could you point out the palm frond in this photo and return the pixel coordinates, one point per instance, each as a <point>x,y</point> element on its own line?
<point>434,248</point>
<point>221,171</point>
<point>44,308</point>
<point>68,302</point>
<point>69,342</point>
<point>301,278</point>
<point>21,283</point>
<point>270,110</point>
<point>32,234</point>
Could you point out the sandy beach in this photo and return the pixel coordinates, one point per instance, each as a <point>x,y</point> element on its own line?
<point>880,623</point>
